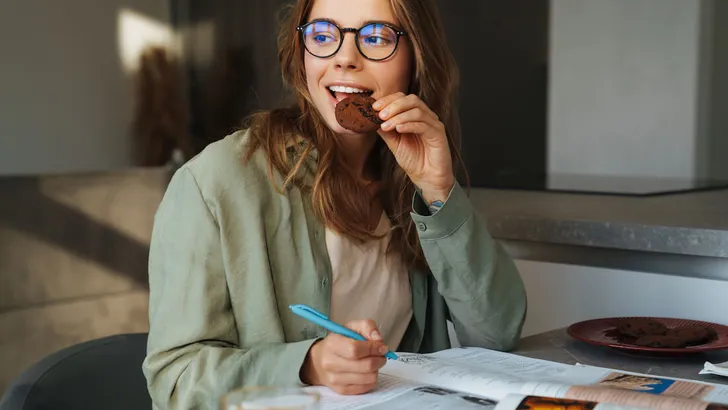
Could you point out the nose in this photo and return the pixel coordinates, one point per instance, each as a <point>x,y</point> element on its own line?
<point>348,56</point>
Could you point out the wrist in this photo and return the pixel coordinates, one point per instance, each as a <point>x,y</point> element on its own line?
<point>436,196</point>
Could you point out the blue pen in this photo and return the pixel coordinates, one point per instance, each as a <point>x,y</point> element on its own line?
<point>320,319</point>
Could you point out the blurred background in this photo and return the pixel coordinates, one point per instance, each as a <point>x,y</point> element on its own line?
<point>101,99</point>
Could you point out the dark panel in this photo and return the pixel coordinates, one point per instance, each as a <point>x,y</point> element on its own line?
<point>501,48</point>
<point>502,52</point>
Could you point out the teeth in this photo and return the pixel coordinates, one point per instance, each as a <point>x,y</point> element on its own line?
<point>348,90</point>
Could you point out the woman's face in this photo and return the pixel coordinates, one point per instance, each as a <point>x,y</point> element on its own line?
<point>348,67</point>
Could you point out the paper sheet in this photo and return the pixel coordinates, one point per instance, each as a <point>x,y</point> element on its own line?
<point>395,394</point>
<point>721,369</point>
<point>486,373</point>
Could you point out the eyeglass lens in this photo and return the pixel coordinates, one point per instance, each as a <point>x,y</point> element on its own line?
<point>375,41</point>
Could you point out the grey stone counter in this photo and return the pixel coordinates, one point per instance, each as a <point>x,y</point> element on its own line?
<point>557,346</point>
<point>682,234</point>
<point>691,224</point>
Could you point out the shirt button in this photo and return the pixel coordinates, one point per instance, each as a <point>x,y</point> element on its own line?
<point>324,282</point>
<point>421,226</point>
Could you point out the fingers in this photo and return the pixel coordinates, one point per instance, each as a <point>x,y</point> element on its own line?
<point>398,103</point>
<point>345,365</point>
<point>413,115</point>
<point>391,138</point>
<point>351,379</point>
<point>353,389</point>
<point>417,127</point>
<point>353,349</point>
<point>338,363</point>
<point>385,101</point>
<point>366,328</point>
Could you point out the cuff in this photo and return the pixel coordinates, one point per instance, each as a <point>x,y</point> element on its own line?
<point>456,210</point>
<point>292,358</point>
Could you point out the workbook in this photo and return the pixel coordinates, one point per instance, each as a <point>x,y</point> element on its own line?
<point>480,379</point>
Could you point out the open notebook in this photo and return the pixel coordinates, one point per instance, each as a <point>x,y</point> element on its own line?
<point>481,379</point>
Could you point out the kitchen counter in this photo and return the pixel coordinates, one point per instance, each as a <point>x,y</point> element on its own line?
<point>683,233</point>
<point>693,224</point>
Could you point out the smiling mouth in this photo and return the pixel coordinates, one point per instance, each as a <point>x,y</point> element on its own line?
<point>339,92</point>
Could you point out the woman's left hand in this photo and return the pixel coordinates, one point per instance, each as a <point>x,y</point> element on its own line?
<point>419,142</point>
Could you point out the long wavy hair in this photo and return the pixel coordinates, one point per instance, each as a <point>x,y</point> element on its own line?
<point>294,135</point>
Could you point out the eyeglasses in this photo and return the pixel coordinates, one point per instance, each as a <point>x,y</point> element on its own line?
<point>375,41</point>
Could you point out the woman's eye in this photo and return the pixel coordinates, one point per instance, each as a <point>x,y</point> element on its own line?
<point>323,38</point>
<point>376,41</point>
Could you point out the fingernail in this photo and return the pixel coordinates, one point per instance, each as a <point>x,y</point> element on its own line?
<point>384,114</point>
<point>386,125</point>
<point>383,349</point>
<point>377,105</point>
<point>376,335</point>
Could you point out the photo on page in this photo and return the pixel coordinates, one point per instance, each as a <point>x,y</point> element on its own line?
<point>548,403</point>
<point>656,385</point>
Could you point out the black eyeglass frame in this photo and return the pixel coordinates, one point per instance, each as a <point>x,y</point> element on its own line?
<point>342,32</point>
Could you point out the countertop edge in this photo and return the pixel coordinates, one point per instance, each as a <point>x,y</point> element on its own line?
<point>613,235</point>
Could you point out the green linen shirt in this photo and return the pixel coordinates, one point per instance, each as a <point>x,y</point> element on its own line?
<point>229,254</point>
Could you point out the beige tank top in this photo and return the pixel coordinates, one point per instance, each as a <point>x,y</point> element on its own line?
<point>369,284</point>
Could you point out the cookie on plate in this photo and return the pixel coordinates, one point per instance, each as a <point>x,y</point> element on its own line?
<point>661,341</point>
<point>639,327</point>
<point>692,334</point>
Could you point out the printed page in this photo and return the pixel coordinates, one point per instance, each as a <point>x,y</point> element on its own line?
<point>656,385</point>
<point>387,388</point>
<point>428,370</point>
<point>528,369</point>
<point>550,379</point>
<point>395,394</point>
<point>484,372</point>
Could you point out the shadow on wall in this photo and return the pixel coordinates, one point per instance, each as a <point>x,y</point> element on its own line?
<point>71,236</point>
<point>33,213</point>
<point>73,260</point>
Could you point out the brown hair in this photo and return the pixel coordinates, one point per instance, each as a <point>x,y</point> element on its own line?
<point>291,135</point>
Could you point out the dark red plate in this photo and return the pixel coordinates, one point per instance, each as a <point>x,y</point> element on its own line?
<point>602,332</point>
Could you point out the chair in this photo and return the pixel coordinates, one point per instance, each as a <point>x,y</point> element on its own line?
<point>104,374</point>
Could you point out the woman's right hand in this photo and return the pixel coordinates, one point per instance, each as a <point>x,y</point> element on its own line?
<point>345,365</point>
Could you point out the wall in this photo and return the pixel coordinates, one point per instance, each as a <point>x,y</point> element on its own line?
<point>560,295</point>
<point>66,101</point>
<point>622,87</point>
<point>73,260</point>
<point>718,96</point>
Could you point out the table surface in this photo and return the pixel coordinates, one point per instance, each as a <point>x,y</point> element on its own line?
<point>557,346</point>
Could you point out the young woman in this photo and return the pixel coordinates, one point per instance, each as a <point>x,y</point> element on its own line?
<point>372,230</point>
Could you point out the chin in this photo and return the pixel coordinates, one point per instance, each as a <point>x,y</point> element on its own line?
<point>339,130</point>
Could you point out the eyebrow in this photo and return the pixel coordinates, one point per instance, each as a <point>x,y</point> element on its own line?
<point>332,21</point>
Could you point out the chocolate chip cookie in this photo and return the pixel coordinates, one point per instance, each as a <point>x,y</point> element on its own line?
<point>355,113</point>
<point>640,327</point>
<point>692,334</point>
<point>661,341</point>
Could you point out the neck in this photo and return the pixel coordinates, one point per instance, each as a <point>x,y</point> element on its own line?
<point>356,150</point>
